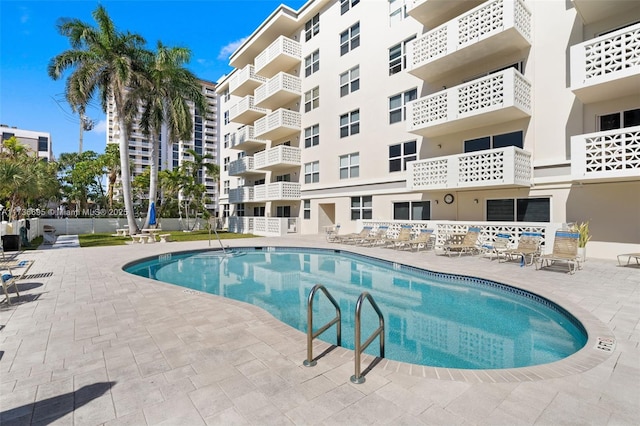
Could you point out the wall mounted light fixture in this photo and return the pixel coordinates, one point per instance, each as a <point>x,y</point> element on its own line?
<point>475,200</point>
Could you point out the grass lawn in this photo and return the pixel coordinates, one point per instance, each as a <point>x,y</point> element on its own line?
<point>106,239</point>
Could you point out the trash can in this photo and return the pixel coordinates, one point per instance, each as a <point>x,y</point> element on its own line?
<point>11,242</point>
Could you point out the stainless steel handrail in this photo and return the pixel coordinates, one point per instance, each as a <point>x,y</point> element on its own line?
<point>310,362</point>
<point>358,377</point>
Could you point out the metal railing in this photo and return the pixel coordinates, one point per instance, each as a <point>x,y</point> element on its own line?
<point>358,378</point>
<point>310,362</point>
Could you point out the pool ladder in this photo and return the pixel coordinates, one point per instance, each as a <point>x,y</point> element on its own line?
<point>358,377</point>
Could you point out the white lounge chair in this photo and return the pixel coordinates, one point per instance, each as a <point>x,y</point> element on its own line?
<point>9,279</point>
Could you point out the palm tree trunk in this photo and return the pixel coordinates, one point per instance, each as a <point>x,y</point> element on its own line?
<point>125,176</point>
<point>153,177</point>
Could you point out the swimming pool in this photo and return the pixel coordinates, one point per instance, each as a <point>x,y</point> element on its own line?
<point>433,319</point>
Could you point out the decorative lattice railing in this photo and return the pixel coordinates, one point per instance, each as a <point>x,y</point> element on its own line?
<point>277,191</point>
<point>281,154</point>
<point>606,155</point>
<point>245,104</point>
<point>263,226</point>
<point>244,134</point>
<point>281,46</point>
<point>609,57</point>
<point>244,76</point>
<point>508,166</point>
<point>243,194</point>
<point>241,165</point>
<point>281,82</point>
<point>276,119</point>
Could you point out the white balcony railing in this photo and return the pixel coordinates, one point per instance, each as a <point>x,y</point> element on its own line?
<point>494,28</point>
<point>242,166</point>
<point>493,168</point>
<point>281,55</point>
<point>281,156</point>
<point>243,194</point>
<point>432,13</point>
<point>278,124</point>
<point>244,139</point>
<point>277,191</point>
<point>244,81</point>
<point>245,111</point>
<point>496,98</point>
<point>610,155</point>
<point>607,67</point>
<point>278,91</point>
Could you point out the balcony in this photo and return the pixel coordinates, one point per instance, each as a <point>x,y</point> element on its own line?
<point>607,67</point>
<point>278,158</point>
<point>508,167</point>
<point>281,55</point>
<point>244,139</point>
<point>593,11</point>
<point>245,111</point>
<point>245,81</point>
<point>606,156</point>
<point>432,13</point>
<point>494,29</point>
<point>278,91</point>
<point>243,194</point>
<point>263,226</point>
<point>278,124</point>
<point>277,191</point>
<point>243,167</point>
<point>497,98</point>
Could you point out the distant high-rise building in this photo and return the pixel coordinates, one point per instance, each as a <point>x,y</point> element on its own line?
<point>38,143</point>
<point>511,113</point>
<point>172,154</point>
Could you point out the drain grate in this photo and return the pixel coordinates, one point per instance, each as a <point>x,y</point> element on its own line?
<point>606,344</point>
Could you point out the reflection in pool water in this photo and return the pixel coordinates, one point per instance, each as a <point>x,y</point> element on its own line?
<point>431,319</point>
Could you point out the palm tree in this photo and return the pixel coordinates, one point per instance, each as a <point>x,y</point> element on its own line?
<point>111,162</point>
<point>107,61</point>
<point>164,100</point>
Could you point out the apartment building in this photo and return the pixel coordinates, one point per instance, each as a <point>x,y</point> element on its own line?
<point>172,154</point>
<point>38,143</point>
<point>518,113</point>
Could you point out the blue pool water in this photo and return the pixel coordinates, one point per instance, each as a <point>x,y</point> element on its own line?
<point>431,319</point>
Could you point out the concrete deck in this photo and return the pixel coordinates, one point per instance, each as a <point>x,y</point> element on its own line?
<point>88,344</point>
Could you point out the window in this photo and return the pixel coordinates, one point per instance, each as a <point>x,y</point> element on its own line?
<point>283,178</point>
<point>414,210</point>
<point>400,154</point>
<point>361,207</point>
<point>258,211</point>
<point>240,209</point>
<point>519,210</point>
<point>398,103</point>
<point>619,120</point>
<point>227,138</point>
<point>43,143</point>
<point>345,5</point>
<point>312,172</point>
<point>495,141</point>
<point>312,27</point>
<point>350,39</point>
<point>226,117</point>
<point>283,211</point>
<point>350,166</point>
<point>312,136</point>
<point>312,99</point>
<point>397,11</point>
<point>350,81</point>
<point>306,209</point>
<point>350,123</point>
<point>312,63</point>
<point>225,210</point>
<point>398,56</point>
<point>225,187</point>
<point>226,163</point>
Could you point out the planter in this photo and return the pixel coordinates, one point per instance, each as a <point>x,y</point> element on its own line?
<point>582,254</point>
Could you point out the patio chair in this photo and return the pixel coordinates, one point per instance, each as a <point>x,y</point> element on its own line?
<point>332,233</point>
<point>565,249</point>
<point>401,241</point>
<point>499,245</point>
<point>354,236</point>
<point>9,279</point>
<point>469,243</point>
<point>630,257</point>
<point>424,240</point>
<point>528,245</point>
<point>378,237</point>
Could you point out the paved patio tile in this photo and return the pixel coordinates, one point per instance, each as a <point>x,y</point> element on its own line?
<point>94,345</point>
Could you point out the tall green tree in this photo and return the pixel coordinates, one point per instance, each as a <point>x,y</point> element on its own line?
<point>81,176</point>
<point>111,162</point>
<point>106,61</point>
<point>165,98</point>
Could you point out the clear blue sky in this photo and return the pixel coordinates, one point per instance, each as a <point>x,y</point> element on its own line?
<point>30,100</point>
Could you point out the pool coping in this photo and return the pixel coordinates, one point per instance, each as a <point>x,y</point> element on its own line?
<point>600,343</point>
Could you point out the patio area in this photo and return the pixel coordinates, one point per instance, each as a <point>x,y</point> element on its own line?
<point>88,344</point>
